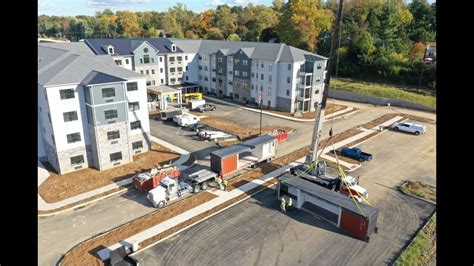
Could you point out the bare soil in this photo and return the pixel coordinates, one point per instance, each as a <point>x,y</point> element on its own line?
<point>227,143</point>
<point>86,253</point>
<point>241,131</point>
<point>58,187</point>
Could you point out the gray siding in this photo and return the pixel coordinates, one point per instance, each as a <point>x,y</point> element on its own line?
<point>97,97</point>
<point>241,84</point>
<point>99,115</point>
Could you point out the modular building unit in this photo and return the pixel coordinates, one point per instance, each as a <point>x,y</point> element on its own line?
<point>339,210</point>
<point>230,159</point>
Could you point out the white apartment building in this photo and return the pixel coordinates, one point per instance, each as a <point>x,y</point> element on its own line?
<point>289,79</point>
<point>91,113</point>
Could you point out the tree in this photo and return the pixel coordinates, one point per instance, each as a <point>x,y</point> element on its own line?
<point>234,37</point>
<point>301,23</point>
<point>268,34</point>
<point>215,34</point>
<point>416,53</point>
<point>170,26</point>
<point>189,34</point>
<point>225,20</point>
<point>128,24</point>
<point>424,21</point>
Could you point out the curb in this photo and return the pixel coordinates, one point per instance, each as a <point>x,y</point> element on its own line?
<point>416,197</point>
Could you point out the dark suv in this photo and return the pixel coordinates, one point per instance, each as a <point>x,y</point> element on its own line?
<point>206,107</point>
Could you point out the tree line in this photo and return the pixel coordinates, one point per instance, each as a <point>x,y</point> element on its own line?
<point>380,40</point>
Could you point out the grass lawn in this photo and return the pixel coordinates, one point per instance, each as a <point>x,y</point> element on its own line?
<point>385,91</point>
<point>419,189</point>
<point>422,251</point>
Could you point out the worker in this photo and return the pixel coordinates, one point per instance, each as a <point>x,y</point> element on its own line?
<point>283,205</point>
<point>219,182</point>
<point>358,180</point>
<point>290,202</point>
<point>224,182</point>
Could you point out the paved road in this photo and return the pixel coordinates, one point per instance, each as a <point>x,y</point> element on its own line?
<point>59,233</point>
<point>255,233</point>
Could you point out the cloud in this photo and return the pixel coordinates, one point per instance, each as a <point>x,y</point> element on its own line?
<point>45,7</point>
<point>114,3</point>
<point>215,3</point>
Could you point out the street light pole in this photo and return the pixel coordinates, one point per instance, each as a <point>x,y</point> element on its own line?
<point>260,100</point>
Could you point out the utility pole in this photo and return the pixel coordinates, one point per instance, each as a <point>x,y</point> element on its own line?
<point>320,107</point>
<point>260,99</point>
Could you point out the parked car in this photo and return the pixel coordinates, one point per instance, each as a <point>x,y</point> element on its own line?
<point>416,129</point>
<point>195,127</point>
<point>357,154</point>
<point>206,107</point>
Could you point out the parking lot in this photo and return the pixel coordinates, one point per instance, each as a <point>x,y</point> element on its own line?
<point>255,232</point>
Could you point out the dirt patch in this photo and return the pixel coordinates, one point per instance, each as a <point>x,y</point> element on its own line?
<point>419,119</point>
<point>419,189</point>
<point>85,201</point>
<point>154,112</point>
<point>85,253</point>
<point>227,143</point>
<point>380,120</point>
<point>241,131</point>
<point>58,187</point>
<point>205,214</point>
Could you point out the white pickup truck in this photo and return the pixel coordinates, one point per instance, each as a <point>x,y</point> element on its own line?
<point>212,135</point>
<point>186,120</point>
<point>416,129</point>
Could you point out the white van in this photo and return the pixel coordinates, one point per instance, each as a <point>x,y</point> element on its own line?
<point>186,120</point>
<point>416,129</point>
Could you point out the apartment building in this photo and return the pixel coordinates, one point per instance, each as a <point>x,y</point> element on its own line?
<point>91,113</point>
<point>287,78</point>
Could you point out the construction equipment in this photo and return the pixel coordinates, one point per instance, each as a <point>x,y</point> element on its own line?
<point>192,96</point>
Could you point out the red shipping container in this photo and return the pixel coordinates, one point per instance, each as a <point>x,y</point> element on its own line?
<point>354,224</point>
<point>228,165</point>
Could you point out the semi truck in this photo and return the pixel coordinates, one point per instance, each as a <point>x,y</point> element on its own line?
<point>171,189</point>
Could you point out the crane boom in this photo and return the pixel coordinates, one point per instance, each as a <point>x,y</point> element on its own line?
<point>321,107</point>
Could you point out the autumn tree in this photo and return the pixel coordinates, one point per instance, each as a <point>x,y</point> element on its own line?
<point>417,52</point>
<point>225,20</point>
<point>128,24</point>
<point>215,34</point>
<point>189,34</point>
<point>301,23</point>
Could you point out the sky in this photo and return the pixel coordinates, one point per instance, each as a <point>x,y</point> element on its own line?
<point>89,7</point>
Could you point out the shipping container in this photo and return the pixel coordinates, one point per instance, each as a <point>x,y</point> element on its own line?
<point>336,209</point>
<point>229,160</point>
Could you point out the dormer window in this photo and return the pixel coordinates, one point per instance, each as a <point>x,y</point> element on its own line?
<point>110,49</point>
<point>173,48</point>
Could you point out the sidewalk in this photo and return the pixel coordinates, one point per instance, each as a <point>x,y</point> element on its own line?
<point>327,117</point>
<point>43,175</point>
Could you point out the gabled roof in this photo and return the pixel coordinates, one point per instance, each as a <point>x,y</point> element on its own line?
<point>128,46</point>
<point>58,67</point>
<point>248,51</point>
<point>96,77</point>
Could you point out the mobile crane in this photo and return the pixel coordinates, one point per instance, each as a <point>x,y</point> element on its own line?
<point>316,171</point>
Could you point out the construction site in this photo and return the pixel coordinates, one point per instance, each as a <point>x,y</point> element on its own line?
<point>250,187</point>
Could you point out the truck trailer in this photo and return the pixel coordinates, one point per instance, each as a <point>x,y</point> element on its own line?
<point>332,207</point>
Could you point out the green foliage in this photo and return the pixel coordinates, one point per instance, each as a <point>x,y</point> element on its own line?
<point>215,34</point>
<point>233,37</point>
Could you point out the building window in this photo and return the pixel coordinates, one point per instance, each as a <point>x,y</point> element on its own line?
<point>206,79</point>
<point>230,72</point>
<point>180,79</point>
<point>141,61</point>
<point>253,75</point>
<point>152,60</point>
<point>171,58</point>
<point>236,73</point>
<point>118,62</point>
<point>146,59</point>
<point>244,73</point>
<point>318,79</point>
<point>262,76</point>
<point>172,70</point>
<point>145,50</point>
<point>111,135</point>
<point>132,86</point>
<point>236,61</point>
<point>316,91</point>
<point>133,106</point>
<point>135,125</point>
<point>287,93</point>
<point>261,65</point>
<point>148,83</point>
<point>180,69</point>
<point>76,160</point>
<point>269,91</point>
<point>75,137</point>
<point>245,62</point>
<point>127,61</point>
<point>229,60</point>
<point>230,83</point>
<point>288,80</point>
<point>200,77</point>
<point>251,87</point>
<point>270,78</point>
<point>108,92</point>
<point>319,66</point>
<point>137,145</point>
<point>147,72</point>
<point>70,116</point>
<point>180,58</point>
<point>270,67</point>
<point>161,59</point>
<point>111,50</point>
<point>66,94</point>
<point>289,66</point>
<point>161,70</point>
<point>185,57</point>
<point>153,71</point>
<point>219,59</point>
<point>200,67</point>
<point>154,83</point>
<point>110,114</point>
<point>213,79</point>
<point>200,57</point>
<point>173,80</point>
<point>205,68</point>
<point>117,156</point>
<point>162,81</point>
<point>141,72</point>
